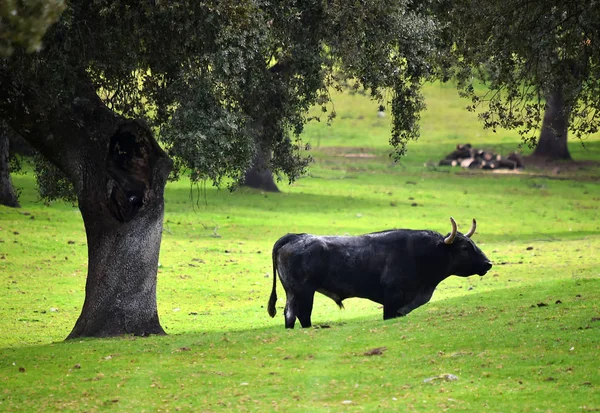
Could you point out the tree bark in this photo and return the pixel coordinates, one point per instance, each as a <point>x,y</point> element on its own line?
<point>259,176</point>
<point>552,143</point>
<point>8,196</point>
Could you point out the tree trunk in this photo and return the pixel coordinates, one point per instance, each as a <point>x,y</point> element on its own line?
<point>265,112</point>
<point>552,143</point>
<point>8,196</point>
<point>124,231</point>
<point>119,173</point>
<point>259,176</point>
<point>120,291</point>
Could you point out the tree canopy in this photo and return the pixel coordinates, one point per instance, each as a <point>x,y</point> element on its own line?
<point>207,73</point>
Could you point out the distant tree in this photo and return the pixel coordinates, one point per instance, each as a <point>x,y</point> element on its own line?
<point>540,62</point>
<point>222,80</point>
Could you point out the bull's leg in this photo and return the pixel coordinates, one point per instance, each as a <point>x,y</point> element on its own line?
<point>390,311</point>
<point>289,313</point>
<point>421,298</point>
<point>304,309</point>
<point>393,301</point>
<point>298,305</point>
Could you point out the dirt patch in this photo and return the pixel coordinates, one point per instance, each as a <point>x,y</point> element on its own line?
<point>359,155</point>
<point>584,170</point>
<point>348,152</point>
<point>562,166</point>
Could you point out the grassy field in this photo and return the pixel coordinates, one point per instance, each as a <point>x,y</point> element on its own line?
<point>524,338</point>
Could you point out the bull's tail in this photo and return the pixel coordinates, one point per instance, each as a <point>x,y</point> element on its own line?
<point>273,299</point>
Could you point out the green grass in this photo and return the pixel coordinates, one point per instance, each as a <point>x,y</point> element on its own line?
<point>524,338</point>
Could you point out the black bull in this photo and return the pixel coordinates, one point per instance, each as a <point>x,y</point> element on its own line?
<point>397,268</point>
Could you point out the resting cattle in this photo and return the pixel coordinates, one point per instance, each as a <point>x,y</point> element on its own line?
<point>397,268</point>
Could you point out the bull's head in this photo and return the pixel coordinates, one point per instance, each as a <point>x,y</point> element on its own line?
<point>468,258</point>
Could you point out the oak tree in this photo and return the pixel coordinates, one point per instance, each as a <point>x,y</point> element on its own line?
<point>221,82</point>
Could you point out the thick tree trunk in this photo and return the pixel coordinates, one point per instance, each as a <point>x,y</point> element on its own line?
<point>8,196</point>
<point>259,176</point>
<point>124,230</point>
<point>120,292</point>
<point>119,173</point>
<point>552,143</point>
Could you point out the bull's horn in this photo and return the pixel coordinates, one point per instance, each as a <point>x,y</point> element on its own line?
<point>472,230</point>
<point>450,238</point>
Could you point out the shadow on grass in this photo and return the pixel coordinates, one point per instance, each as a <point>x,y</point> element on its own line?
<point>251,199</point>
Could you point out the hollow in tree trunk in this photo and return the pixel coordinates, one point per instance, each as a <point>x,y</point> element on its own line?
<point>8,196</point>
<point>552,143</point>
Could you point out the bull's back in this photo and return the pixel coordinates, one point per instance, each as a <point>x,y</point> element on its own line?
<point>344,267</point>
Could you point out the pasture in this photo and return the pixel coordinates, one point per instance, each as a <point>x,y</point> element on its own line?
<point>523,338</point>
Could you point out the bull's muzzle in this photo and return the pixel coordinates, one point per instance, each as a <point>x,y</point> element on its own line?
<point>485,268</point>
